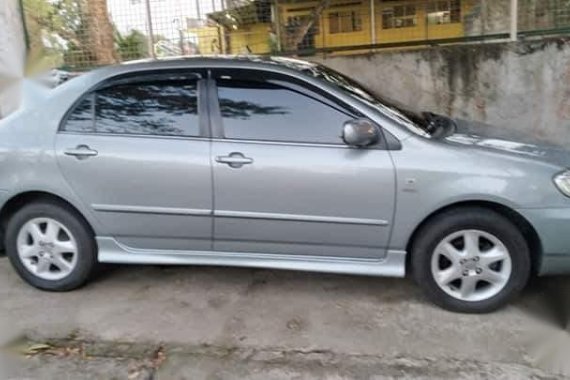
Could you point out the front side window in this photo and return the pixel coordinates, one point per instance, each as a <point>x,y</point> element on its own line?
<point>414,120</point>
<point>164,108</point>
<point>261,110</point>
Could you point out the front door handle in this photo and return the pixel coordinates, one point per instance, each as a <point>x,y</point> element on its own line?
<point>234,160</point>
<point>81,152</point>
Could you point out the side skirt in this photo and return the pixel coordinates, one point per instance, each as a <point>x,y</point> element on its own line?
<point>393,265</point>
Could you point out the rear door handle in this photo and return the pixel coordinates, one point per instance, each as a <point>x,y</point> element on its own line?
<point>81,152</point>
<point>234,160</point>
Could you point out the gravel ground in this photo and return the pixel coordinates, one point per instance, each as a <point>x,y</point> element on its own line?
<point>228,323</point>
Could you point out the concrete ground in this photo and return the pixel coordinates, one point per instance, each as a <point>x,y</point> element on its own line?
<point>229,323</point>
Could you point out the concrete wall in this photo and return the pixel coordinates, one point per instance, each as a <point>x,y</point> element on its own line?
<point>487,17</point>
<point>524,85</point>
<point>12,55</point>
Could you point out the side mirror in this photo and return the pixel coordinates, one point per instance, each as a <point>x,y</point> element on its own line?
<point>360,133</point>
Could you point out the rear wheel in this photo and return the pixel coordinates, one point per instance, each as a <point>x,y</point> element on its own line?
<point>470,260</point>
<point>50,246</point>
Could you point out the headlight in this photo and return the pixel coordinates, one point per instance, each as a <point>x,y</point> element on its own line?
<point>562,182</point>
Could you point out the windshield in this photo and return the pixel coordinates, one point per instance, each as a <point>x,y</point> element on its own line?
<point>415,121</point>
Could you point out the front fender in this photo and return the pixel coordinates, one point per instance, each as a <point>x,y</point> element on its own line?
<point>432,176</point>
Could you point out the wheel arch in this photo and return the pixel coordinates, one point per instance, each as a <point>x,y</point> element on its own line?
<point>527,229</point>
<point>16,202</point>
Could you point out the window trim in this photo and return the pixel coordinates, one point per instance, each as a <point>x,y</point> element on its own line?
<point>133,77</point>
<point>337,16</point>
<point>390,9</point>
<point>293,84</point>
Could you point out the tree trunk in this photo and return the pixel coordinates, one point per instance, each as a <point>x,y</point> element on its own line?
<point>294,39</point>
<point>101,42</point>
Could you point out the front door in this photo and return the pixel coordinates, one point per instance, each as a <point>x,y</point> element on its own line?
<point>285,183</point>
<point>135,153</point>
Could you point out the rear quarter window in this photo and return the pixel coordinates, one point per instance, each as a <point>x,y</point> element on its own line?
<point>80,119</point>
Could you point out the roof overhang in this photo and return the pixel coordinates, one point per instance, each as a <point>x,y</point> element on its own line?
<point>243,13</point>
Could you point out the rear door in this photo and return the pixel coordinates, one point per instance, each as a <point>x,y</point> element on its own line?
<point>136,151</point>
<point>284,181</point>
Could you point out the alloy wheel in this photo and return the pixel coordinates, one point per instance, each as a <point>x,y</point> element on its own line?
<point>47,249</point>
<point>471,265</point>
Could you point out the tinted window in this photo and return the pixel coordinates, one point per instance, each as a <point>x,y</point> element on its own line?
<point>160,108</point>
<point>264,111</point>
<point>150,108</point>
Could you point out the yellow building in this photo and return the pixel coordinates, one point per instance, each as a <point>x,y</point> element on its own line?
<point>245,29</point>
<point>261,27</point>
<point>208,39</point>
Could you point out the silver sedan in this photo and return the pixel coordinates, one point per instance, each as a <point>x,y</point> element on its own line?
<point>275,163</point>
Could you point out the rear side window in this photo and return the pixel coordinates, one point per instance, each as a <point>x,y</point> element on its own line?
<point>164,108</point>
<point>263,110</point>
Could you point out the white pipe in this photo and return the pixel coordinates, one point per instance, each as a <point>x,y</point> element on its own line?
<point>514,19</point>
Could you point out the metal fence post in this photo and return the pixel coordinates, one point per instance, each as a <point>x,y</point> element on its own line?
<point>514,19</point>
<point>277,25</point>
<point>198,10</point>
<point>372,22</point>
<point>150,29</point>
<point>426,20</point>
<point>484,16</point>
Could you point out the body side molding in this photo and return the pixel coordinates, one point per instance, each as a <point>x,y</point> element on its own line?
<point>393,265</point>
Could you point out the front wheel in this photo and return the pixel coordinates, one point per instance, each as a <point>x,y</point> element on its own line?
<point>50,246</point>
<point>470,260</point>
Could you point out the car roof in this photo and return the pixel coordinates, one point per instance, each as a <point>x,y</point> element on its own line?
<point>226,61</point>
<point>237,60</point>
<point>291,66</point>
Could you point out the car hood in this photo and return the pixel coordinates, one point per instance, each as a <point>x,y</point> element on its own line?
<point>507,141</point>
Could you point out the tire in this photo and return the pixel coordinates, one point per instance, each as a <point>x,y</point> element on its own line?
<point>51,235</point>
<point>483,285</point>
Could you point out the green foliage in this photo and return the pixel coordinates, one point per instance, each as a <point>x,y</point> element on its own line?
<point>132,46</point>
<point>57,33</point>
